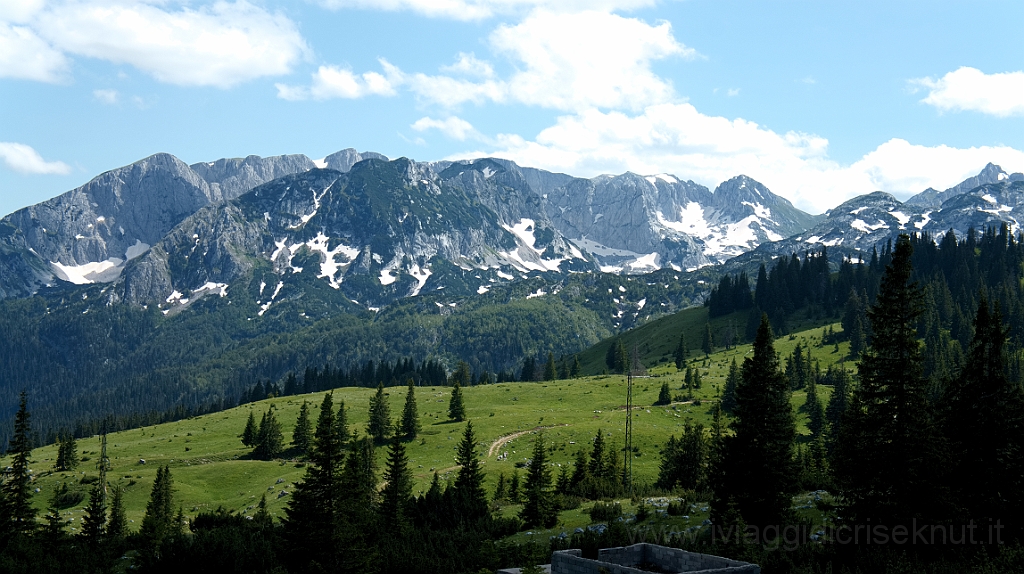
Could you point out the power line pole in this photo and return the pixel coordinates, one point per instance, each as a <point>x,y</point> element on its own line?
<point>635,369</point>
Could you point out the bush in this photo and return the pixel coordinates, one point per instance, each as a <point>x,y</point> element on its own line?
<point>605,511</point>
<point>566,501</point>
<point>643,512</point>
<point>678,508</point>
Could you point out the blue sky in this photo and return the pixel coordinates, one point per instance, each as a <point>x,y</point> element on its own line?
<point>820,101</point>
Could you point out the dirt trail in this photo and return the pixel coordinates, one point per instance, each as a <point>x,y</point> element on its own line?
<point>503,440</point>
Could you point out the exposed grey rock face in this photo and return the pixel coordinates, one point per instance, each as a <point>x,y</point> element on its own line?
<point>344,160</point>
<point>991,173</point>
<point>235,176</point>
<point>114,217</point>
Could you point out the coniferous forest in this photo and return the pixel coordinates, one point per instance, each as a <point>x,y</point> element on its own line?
<point>921,444</point>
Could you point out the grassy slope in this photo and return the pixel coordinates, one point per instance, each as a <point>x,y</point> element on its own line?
<point>209,467</point>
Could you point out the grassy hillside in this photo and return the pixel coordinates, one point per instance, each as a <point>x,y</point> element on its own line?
<point>210,467</point>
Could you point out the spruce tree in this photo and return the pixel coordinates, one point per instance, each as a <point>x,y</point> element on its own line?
<point>410,425</point>
<point>17,513</point>
<point>888,461</point>
<point>708,342</point>
<point>117,523</point>
<point>681,352</point>
<point>815,412</point>
<point>456,408</point>
<point>598,467</point>
<point>757,468</point>
<point>55,522</point>
<point>269,439</point>
<point>95,519</point>
<point>550,371</point>
<point>577,369</point>
<point>513,487</point>
<point>538,509</point>
<point>471,499</point>
<point>379,425</point>
<point>158,522</point>
<point>249,434</point>
<point>664,395</point>
<point>580,473</point>
<point>67,452</point>
<point>732,380</point>
<point>983,419</point>
<point>462,375</point>
<point>312,522</point>
<point>302,436</point>
<point>396,497</point>
<point>341,425</point>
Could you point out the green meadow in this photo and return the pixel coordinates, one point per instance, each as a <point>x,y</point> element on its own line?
<point>210,467</point>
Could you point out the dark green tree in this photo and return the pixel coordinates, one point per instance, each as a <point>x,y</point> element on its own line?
<point>757,469</point>
<point>538,509</point>
<point>576,369</point>
<point>684,462</point>
<point>983,419</point>
<point>95,520</point>
<point>249,434</point>
<point>302,436</point>
<point>664,395</point>
<point>55,523</point>
<point>814,409</point>
<point>732,380</point>
<point>269,438</point>
<point>313,524</point>
<point>341,425</point>
<point>410,425</point>
<point>708,341</point>
<point>17,515</point>
<point>681,352</point>
<point>456,408</point>
<point>379,426</point>
<point>117,523</point>
<point>67,452</point>
<point>889,457</point>
<point>550,370</point>
<point>396,497</point>
<point>462,375</point>
<point>470,497</point>
<point>158,522</point>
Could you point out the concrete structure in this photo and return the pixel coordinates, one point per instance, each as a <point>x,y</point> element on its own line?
<point>642,559</point>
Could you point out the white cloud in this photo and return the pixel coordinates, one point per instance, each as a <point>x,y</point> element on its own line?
<point>971,89</point>
<point>334,82</point>
<point>453,127</point>
<point>587,59</point>
<point>482,9</point>
<point>563,61</point>
<point>732,92</point>
<point>24,55</point>
<point>221,45</point>
<point>469,65</point>
<point>678,139</point>
<point>106,96</point>
<point>22,158</point>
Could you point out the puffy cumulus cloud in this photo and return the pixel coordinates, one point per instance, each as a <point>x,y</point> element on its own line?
<point>482,9</point>
<point>678,139</point>
<point>573,61</point>
<point>971,89</point>
<point>221,44</point>
<point>24,55</point>
<point>453,127</point>
<point>333,82</point>
<point>563,61</point>
<point>22,158</point>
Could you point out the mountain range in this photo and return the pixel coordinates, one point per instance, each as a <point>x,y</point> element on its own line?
<point>160,284</point>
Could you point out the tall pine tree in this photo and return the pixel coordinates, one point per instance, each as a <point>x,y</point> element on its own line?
<point>456,407</point>
<point>17,515</point>
<point>379,425</point>
<point>983,419</point>
<point>538,509</point>
<point>410,425</point>
<point>889,461</point>
<point>757,468</point>
<point>470,497</point>
<point>302,436</point>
